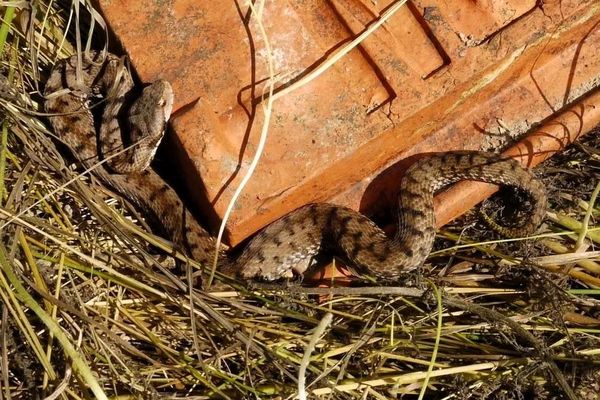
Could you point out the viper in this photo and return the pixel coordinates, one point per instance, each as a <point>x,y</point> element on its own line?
<point>287,245</point>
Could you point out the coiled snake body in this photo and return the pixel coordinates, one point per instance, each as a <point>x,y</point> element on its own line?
<point>290,243</point>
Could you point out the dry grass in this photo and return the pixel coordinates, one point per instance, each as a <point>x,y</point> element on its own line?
<point>91,307</point>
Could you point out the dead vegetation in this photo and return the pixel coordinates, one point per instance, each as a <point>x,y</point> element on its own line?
<point>92,306</point>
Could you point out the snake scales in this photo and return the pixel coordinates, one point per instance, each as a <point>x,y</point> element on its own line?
<point>290,243</point>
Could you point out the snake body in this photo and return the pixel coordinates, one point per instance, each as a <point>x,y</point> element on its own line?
<point>288,244</point>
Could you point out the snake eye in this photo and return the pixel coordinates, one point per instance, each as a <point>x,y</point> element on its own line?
<point>161,102</point>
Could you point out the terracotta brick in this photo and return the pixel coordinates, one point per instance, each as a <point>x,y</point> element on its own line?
<point>475,21</point>
<point>402,34</point>
<point>435,77</point>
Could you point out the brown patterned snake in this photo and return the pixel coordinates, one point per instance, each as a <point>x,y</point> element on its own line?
<point>290,243</point>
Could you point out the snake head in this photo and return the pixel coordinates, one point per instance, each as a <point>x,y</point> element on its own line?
<point>150,112</point>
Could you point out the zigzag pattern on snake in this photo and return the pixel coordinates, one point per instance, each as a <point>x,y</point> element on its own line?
<point>288,244</point>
